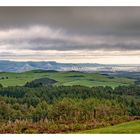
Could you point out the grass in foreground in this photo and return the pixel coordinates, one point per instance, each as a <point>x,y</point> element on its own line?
<point>132,127</point>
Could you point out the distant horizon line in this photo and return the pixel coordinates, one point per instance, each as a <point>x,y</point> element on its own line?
<point>65,62</point>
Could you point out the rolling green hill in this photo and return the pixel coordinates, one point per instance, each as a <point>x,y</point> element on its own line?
<point>63,78</point>
<point>124,128</point>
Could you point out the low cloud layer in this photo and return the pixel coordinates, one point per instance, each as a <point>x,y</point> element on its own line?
<point>46,38</point>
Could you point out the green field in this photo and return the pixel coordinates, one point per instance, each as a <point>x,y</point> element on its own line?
<point>132,127</point>
<point>63,78</point>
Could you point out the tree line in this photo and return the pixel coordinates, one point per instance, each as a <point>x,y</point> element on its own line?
<point>59,105</point>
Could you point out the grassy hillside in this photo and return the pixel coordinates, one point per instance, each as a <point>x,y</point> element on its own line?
<point>124,128</point>
<point>63,78</point>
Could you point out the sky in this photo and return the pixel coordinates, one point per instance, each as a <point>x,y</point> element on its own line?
<point>107,35</point>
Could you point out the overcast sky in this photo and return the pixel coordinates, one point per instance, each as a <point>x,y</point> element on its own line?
<point>109,35</point>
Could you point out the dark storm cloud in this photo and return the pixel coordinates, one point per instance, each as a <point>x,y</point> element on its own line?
<point>89,20</point>
<point>65,45</point>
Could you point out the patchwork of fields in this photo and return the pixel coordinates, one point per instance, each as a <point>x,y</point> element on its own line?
<point>63,78</point>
